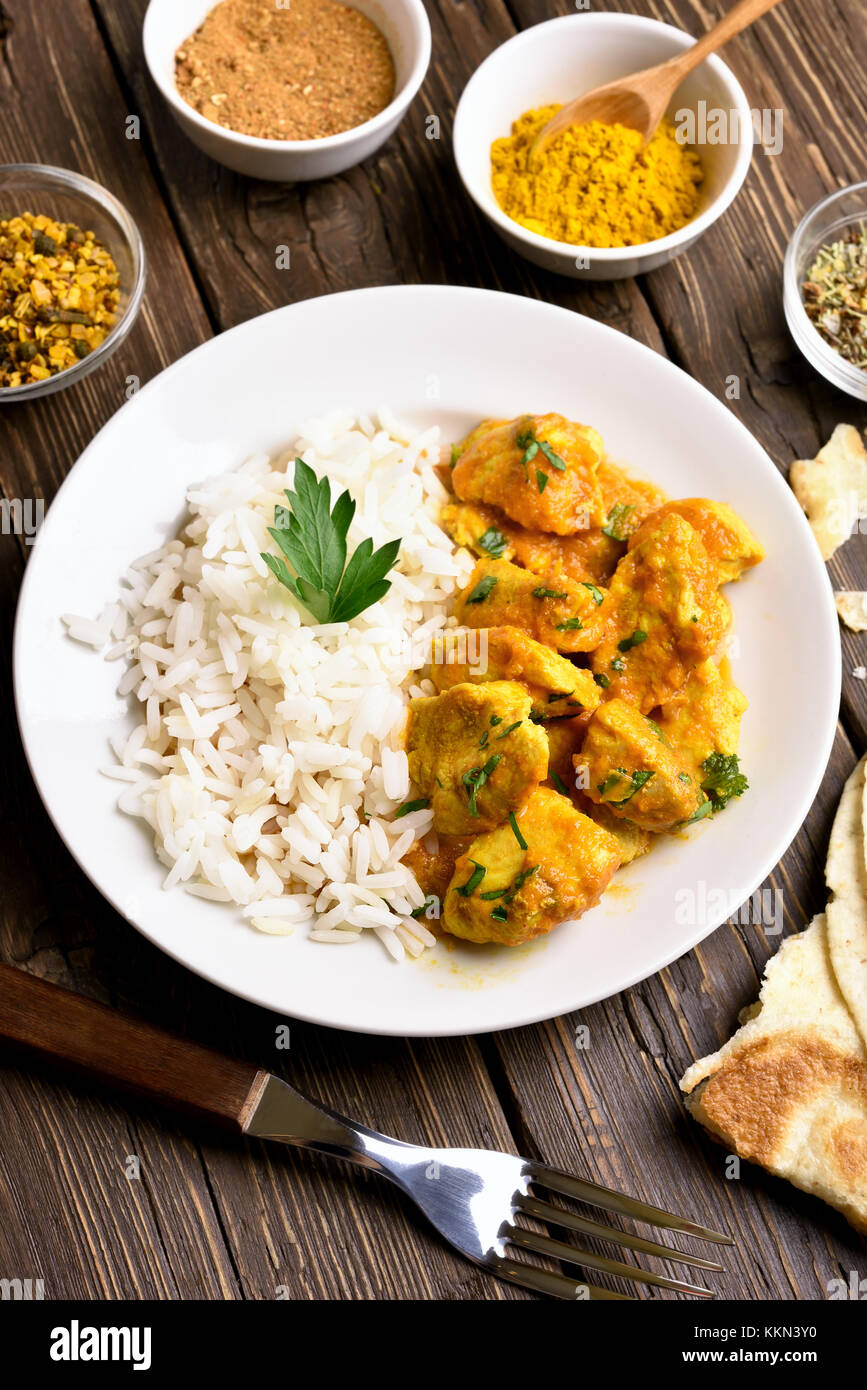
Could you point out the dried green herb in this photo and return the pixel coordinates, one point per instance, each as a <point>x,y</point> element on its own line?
<point>835,295</point>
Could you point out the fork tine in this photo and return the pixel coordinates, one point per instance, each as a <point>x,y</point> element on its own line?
<point>550,1282</point>
<point>556,1216</point>
<point>597,1196</point>
<point>559,1250</point>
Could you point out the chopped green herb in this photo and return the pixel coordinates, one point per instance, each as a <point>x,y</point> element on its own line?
<point>493,895</point>
<point>705,809</point>
<point>312,537</point>
<point>510,730</point>
<point>484,739</point>
<point>684,777</point>
<point>520,880</point>
<point>422,911</point>
<point>618,664</point>
<point>615,520</point>
<point>541,480</point>
<point>500,914</point>
<point>409,806</point>
<point>554,459</point>
<point>602,680</point>
<point>542,592</point>
<point>515,831</point>
<point>656,729</point>
<point>634,640</point>
<point>570,625</point>
<point>560,695</point>
<point>722,779</point>
<point>472,883</point>
<point>558,783</point>
<point>636,781</point>
<point>493,541</point>
<point>476,778</point>
<point>596,594</point>
<point>527,441</point>
<point>455,456</point>
<point>495,720</point>
<point>482,589</point>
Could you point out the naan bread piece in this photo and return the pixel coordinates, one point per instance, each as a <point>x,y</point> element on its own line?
<point>789,1090</point>
<point>846,876</point>
<point>832,488</point>
<point>852,608</point>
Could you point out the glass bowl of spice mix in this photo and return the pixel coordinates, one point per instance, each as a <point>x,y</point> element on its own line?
<point>825,288</point>
<point>287,90</point>
<point>72,272</point>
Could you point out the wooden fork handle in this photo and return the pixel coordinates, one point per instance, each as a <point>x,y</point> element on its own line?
<point>739,17</point>
<point>57,1026</point>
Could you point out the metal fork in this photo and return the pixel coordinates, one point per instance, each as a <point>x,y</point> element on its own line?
<point>474,1197</point>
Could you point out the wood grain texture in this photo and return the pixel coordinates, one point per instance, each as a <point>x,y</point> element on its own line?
<point>208,1218</point>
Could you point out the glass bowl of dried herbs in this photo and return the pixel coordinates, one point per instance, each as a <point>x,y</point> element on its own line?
<point>825,288</point>
<point>72,275</point>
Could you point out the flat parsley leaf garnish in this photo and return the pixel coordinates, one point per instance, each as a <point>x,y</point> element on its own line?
<point>312,537</point>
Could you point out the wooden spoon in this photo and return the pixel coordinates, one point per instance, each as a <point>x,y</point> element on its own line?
<point>640,101</point>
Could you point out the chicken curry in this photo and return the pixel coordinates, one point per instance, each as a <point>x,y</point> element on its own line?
<point>604,713</point>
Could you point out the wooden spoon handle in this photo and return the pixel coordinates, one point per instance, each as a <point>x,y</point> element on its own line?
<point>739,17</point>
<point>57,1026</point>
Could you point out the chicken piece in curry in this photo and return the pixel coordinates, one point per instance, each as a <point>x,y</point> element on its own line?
<point>510,888</point>
<point>539,469</point>
<point>664,614</point>
<point>475,754</point>
<point>557,687</point>
<point>558,613</point>
<point>599,711</point>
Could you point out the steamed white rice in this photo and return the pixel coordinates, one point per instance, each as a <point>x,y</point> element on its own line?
<point>268,759</point>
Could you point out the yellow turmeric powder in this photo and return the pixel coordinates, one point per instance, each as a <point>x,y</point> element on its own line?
<point>593,185</point>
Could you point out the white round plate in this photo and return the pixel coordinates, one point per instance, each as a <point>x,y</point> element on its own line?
<point>446,355</point>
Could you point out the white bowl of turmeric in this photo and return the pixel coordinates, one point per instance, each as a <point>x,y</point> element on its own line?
<point>287,90</point>
<point>595,206</point>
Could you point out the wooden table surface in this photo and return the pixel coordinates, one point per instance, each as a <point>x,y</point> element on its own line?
<point>217,1220</point>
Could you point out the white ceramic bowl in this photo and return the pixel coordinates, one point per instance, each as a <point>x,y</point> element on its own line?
<point>487,354</point>
<point>561,59</point>
<point>405,26</point>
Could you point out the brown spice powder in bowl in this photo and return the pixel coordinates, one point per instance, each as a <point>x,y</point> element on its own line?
<point>303,72</point>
